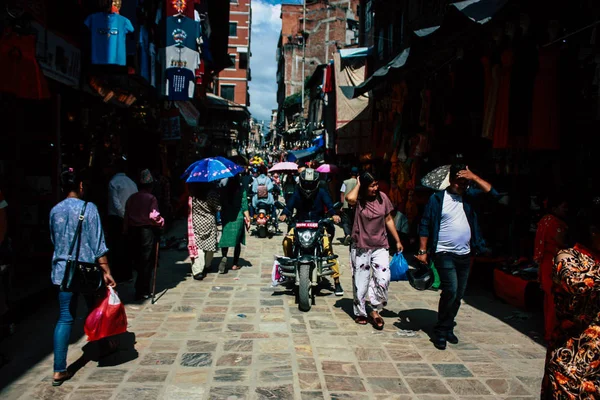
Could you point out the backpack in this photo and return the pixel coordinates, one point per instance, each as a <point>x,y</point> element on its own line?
<point>262,192</point>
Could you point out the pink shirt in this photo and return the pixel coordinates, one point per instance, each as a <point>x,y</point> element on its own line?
<point>369,231</point>
<point>139,207</point>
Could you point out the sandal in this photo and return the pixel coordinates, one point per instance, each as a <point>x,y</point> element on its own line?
<point>377,321</point>
<point>57,382</point>
<point>361,320</point>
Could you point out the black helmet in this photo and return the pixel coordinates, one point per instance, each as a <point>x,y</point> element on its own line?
<point>421,278</point>
<point>309,183</point>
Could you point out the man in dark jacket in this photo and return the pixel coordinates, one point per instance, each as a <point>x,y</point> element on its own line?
<point>450,233</point>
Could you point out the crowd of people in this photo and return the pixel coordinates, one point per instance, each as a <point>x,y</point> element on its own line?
<point>567,250</point>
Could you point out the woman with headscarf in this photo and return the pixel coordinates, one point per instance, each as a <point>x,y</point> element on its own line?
<point>573,360</point>
<point>204,203</point>
<point>236,219</point>
<point>369,251</point>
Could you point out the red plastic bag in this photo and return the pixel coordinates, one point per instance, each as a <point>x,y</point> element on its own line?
<point>107,319</point>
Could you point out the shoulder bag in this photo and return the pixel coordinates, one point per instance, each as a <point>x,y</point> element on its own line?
<point>80,277</point>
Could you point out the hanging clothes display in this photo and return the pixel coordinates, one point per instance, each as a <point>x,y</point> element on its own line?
<point>181,7</point>
<point>501,139</point>
<point>492,85</point>
<point>521,87</point>
<point>108,32</point>
<point>545,121</point>
<point>21,73</point>
<point>183,32</point>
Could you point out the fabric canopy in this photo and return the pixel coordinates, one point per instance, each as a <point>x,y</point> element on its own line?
<point>301,154</point>
<point>353,53</point>
<point>462,20</point>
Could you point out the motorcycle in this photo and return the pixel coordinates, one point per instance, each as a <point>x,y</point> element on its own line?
<point>309,265</point>
<point>266,224</point>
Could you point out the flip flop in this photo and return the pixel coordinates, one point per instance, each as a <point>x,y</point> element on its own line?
<point>58,382</point>
<point>236,268</point>
<point>361,320</point>
<point>377,322</point>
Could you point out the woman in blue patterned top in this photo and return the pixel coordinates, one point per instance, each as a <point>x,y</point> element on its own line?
<point>64,218</point>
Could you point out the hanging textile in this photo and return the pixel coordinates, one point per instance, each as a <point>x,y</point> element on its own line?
<point>545,122</point>
<point>501,139</point>
<point>492,85</point>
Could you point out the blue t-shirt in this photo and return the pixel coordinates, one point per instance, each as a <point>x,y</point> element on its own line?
<point>180,84</point>
<point>109,32</point>
<point>183,31</point>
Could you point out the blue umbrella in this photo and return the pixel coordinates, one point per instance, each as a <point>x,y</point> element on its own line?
<point>211,169</point>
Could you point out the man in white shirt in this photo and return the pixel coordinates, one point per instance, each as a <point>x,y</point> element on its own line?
<point>120,188</point>
<point>449,232</point>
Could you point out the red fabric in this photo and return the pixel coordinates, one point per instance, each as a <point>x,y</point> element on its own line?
<point>545,114</point>
<point>20,73</point>
<point>192,247</point>
<point>384,187</point>
<point>328,87</point>
<point>546,248</point>
<point>501,140</point>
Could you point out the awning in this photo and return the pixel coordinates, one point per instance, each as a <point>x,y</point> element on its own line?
<point>353,53</point>
<point>188,112</point>
<point>462,20</point>
<point>215,102</point>
<point>302,154</point>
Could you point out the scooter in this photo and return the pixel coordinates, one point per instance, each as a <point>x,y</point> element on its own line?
<point>265,220</point>
<point>309,265</point>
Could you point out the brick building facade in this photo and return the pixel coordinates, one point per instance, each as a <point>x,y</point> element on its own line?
<point>232,82</point>
<point>330,25</point>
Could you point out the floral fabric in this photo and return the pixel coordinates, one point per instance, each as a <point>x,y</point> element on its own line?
<point>573,360</point>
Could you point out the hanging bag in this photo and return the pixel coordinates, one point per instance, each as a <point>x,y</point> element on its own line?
<point>80,277</point>
<point>107,319</point>
<point>398,268</point>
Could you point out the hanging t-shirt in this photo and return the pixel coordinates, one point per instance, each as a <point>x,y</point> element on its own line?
<point>108,33</point>
<point>183,32</point>
<point>181,57</point>
<point>144,53</point>
<point>180,83</point>
<point>152,51</point>
<point>181,7</point>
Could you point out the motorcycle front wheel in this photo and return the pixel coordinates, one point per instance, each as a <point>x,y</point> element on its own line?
<point>304,289</point>
<point>262,231</point>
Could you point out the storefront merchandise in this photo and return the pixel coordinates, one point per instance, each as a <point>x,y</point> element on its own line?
<point>108,32</point>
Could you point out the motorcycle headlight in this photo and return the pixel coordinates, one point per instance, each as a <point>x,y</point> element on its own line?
<point>307,238</point>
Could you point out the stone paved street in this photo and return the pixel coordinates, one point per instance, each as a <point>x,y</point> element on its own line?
<point>233,336</point>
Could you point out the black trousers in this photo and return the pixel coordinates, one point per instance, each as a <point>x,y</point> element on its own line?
<point>142,248</point>
<point>237,251</point>
<point>454,274</point>
<point>347,221</point>
<point>120,267</point>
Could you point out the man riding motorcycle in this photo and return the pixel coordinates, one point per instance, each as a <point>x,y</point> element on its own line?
<point>310,202</point>
<point>262,189</point>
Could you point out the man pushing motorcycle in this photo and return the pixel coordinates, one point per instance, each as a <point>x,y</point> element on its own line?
<point>311,203</point>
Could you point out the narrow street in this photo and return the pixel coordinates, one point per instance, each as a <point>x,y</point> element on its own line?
<point>234,336</point>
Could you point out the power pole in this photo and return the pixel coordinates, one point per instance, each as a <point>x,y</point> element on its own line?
<point>303,55</point>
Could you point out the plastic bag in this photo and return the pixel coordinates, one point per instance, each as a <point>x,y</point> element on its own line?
<point>276,277</point>
<point>398,268</point>
<point>107,319</point>
<point>436,282</point>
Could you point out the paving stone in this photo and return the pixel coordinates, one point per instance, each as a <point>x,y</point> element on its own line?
<point>377,369</point>
<point>138,393</point>
<point>416,369</point>
<point>107,375</point>
<point>229,393</point>
<point>240,328</point>
<point>276,374</point>
<point>196,360</point>
<point>339,368</point>
<point>467,387</point>
<point>45,391</point>
<point>344,384</point>
<point>507,387</point>
<point>427,386</point>
<point>307,364</point>
<point>199,346</point>
<point>312,396</point>
<point>231,375</point>
<point>486,370</point>
<point>402,355</point>
<point>309,381</point>
<point>369,354</point>
<point>159,359</point>
<point>146,375</point>
<point>276,392</point>
<point>190,377</point>
<point>275,358</point>
<point>238,345</point>
<point>234,360</point>
<point>452,370</point>
<point>96,394</point>
<point>387,385</point>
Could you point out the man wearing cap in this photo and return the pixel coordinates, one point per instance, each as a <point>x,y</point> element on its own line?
<point>347,211</point>
<point>142,223</point>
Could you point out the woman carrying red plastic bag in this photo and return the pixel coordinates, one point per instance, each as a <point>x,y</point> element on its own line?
<point>107,319</point>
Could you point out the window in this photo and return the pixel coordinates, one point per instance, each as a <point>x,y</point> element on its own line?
<point>233,29</point>
<point>228,92</point>
<point>232,58</point>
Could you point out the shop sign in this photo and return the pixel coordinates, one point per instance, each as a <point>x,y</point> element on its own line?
<point>170,128</point>
<point>58,59</point>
